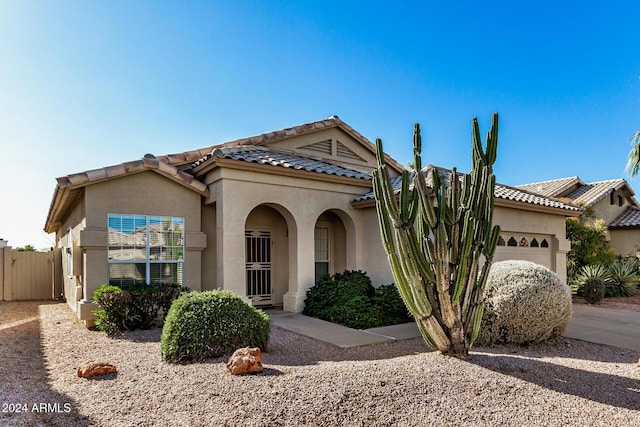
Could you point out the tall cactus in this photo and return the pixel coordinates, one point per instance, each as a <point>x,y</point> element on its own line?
<point>444,241</point>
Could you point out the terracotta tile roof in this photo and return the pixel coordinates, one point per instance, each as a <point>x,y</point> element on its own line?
<point>264,156</point>
<point>176,166</point>
<point>190,157</point>
<point>502,191</point>
<point>69,187</point>
<point>587,194</point>
<point>147,163</point>
<point>630,218</point>
<point>552,188</point>
<point>593,192</point>
<point>186,157</point>
<point>506,192</point>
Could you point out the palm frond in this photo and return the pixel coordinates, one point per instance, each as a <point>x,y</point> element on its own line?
<point>633,163</point>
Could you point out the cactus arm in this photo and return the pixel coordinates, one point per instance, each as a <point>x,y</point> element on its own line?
<point>475,325</point>
<point>492,140</point>
<point>405,213</point>
<point>478,153</point>
<point>426,206</point>
<point>383,217</point>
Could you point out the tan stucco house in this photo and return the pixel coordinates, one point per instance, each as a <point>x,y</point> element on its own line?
<point>612,201</point>
<point>261,216</point>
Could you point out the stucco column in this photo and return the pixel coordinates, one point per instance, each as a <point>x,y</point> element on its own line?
<point>95,273</point>
<point>301,266</point>
<point>230,260</point>
<point>564,246</point>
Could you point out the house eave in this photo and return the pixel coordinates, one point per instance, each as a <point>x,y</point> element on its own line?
<point>497,202</point>
<point>70,186</point>
<point>536,208</point>
<point>278,170</point>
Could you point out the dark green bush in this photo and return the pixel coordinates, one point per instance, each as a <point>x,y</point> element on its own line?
<point>201,325</point>
<point>358,313</point>
<point>334,291</point>
<point>390,302</point>
<point>350,299</point>
<point>129,307</point>
<point>594,289</point>
<point>115,305</point>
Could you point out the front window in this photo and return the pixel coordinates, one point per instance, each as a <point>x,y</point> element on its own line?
<point>145,249</point>
<point>321,251</point>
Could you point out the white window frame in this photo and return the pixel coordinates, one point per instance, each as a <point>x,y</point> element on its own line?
<point>148,261</point>
<point>327,261</point>
<point>69,252</point>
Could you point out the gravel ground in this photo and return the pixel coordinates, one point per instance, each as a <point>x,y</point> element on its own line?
<point>306,382</point>
<point>618,303</point>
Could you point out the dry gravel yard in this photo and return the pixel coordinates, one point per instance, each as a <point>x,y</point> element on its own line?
<point>569,383</point>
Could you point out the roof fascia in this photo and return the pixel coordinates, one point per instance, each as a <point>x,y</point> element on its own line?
<point>497,202</point>
<point>62,191</point>
<point>535,208</point>
<point>277,170</point>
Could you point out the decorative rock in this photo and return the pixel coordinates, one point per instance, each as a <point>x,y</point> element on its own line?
<point>245,361</point>
<point>93,368</point>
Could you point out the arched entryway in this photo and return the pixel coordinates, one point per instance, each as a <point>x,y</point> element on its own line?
<point>266,255</point>
<point>334,241</point>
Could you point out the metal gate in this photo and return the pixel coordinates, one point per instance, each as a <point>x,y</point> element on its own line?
<point>258,266</point>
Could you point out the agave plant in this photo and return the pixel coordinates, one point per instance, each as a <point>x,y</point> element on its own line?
<point>590,272</point>
<point>623,280</point>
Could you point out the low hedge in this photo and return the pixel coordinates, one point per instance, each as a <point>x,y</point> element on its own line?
<point>207,324</point>
<point>350,299</point>
<point>130,307</point>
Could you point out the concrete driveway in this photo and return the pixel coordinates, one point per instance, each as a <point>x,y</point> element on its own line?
<point>619,328</point>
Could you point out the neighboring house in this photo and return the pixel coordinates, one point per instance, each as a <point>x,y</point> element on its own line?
<point>262,216</point>
<point>612,201</point>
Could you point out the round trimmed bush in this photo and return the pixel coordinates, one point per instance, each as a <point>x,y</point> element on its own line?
<point>525,303</point>
<point>207,324</point>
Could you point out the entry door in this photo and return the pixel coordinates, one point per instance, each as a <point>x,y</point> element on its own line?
<point>258,266</point>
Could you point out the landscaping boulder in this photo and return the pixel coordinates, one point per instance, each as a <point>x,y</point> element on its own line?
<point>245,361</point>
<point>93,369</point>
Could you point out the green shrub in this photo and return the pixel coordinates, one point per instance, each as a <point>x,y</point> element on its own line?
<point>201,325</point>
<point>115,305</point>
<point>524,303</point>
<point>132,307</point>
<point>594,290</point>
<point>390,302</point>
<point>589,244</point>
<point>358,313</point>
<point>623,280</point>
<point>587,272</point>
<point>350,299</point>
<point>333,291</point>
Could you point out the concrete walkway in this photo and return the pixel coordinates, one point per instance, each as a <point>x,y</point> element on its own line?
<point>617,328</point>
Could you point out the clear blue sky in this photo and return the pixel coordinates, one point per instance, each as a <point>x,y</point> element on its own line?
<point>88,84</point>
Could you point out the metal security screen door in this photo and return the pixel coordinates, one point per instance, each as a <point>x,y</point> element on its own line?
<point>258,266</point>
